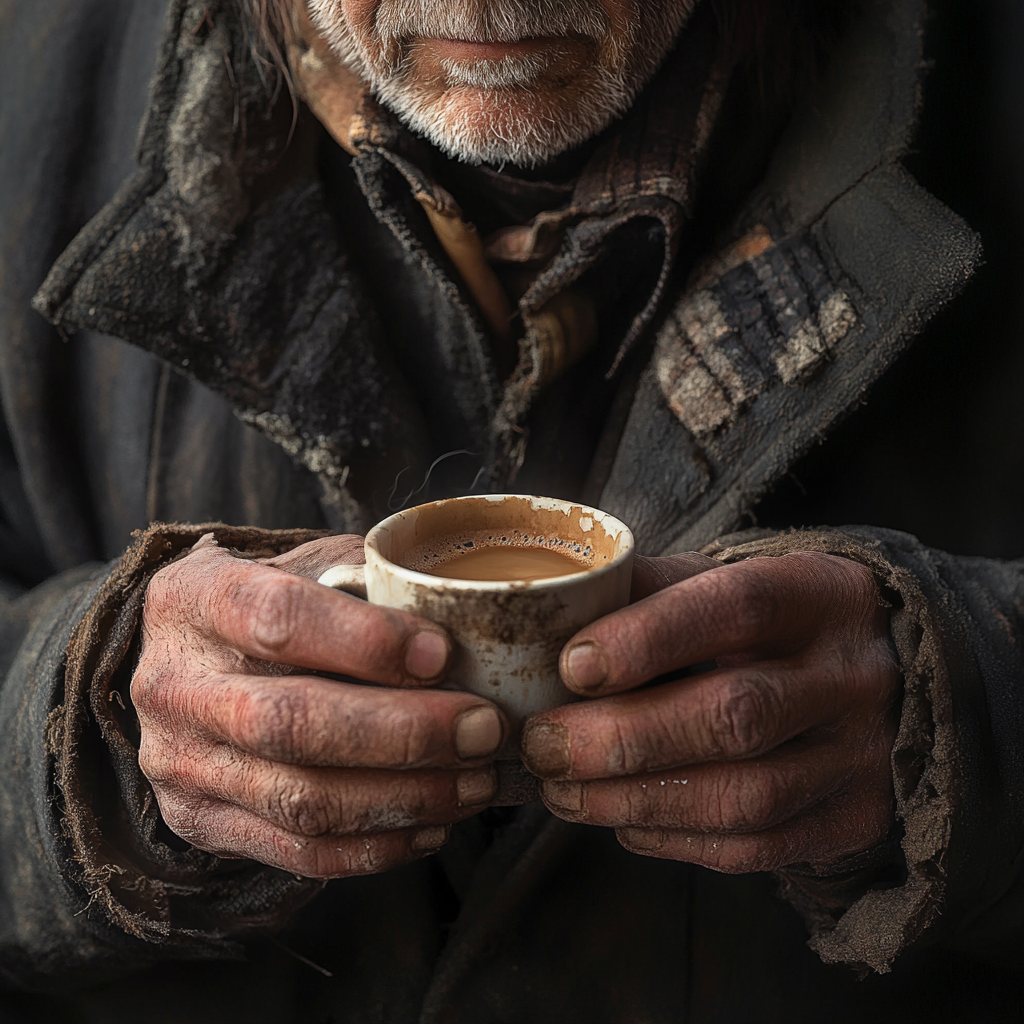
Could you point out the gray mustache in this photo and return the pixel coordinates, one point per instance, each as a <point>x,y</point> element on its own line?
<point>499,21</point>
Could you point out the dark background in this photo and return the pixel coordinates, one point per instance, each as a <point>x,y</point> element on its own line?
<point>938,447</point>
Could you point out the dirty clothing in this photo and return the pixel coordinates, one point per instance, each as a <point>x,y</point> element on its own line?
<point>260,326</point>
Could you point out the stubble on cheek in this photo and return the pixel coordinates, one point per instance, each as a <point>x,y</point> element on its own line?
<point>585,62</point>
<point>350,26</point>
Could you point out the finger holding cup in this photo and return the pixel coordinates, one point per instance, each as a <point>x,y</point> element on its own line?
<point>511,578</point>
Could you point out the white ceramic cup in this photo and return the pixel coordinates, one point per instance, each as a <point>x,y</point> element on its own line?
<point>509,634</point>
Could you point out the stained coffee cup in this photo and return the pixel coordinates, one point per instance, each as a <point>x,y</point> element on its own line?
<point>559,566</point>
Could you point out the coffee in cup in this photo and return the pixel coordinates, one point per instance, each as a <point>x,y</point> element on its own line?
<point>512,578</point>
<point>505,564</point>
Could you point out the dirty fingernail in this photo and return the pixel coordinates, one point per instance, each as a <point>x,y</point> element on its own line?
<point>478,733</point>
<point>586,666</point>
<point>430,838</point>
<point>476,787</point>
<point>426,655</point>
<point>642,840</point>
<point>564,796</point>
<point>546,749</point>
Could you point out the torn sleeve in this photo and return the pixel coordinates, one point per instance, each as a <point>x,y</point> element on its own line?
<point>951,871</point>
<point>91,880</point>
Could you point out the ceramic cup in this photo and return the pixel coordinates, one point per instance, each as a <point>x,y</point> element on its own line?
<point>508,634</point>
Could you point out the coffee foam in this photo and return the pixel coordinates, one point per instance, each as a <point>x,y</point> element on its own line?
<point>439,550</point>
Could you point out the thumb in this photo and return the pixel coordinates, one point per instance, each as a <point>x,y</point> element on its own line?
<point>312,560</point>
<point>653,574</point>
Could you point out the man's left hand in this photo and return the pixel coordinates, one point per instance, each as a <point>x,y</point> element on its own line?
<point>777,756</point>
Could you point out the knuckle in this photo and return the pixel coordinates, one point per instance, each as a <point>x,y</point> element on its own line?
<point>144,691</point>
<point>275,722</point>
<point>627,752</point>
<point>175,767</point>
<point>172,593</point>
<point>741,715</point>
<point>161,593</point>
<point>276,611</point>
<point>151,687</point>
<point>402,741</point>
<point>175,812</point>
<point>406,742</point>
<point>186,818</point>
<point>154,761</point>
<point>738,805</point>
<point>302,809</point>
<point>636,806</point>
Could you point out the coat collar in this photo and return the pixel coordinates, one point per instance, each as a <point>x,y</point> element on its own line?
<point>836,264</point>
<point>216,260</point>
<point>645,167</point>
<point>220,255</point>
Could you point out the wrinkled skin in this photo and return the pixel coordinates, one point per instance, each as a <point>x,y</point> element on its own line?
<point>780,755</point>
<point>250,756</point>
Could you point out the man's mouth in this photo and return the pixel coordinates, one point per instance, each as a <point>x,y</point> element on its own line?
<point>476,50</point>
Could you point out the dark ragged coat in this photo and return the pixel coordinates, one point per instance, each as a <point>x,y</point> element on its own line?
<point>298,338</point>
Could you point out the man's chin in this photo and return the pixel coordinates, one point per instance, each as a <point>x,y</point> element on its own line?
<point>508,126</point>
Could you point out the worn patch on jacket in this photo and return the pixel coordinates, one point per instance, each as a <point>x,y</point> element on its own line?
<point>774,318</point>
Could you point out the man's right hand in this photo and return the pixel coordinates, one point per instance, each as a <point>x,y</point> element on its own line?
<point>251,757</point>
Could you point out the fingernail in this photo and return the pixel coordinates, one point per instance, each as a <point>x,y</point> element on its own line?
<point>478,733</point>
<point>546,749</point>
<point>430,838</point>
<point>476,787</point>
<point>426,655</point>
<point>566,796</point>
<point>642,840</point>
<point>586,667</point>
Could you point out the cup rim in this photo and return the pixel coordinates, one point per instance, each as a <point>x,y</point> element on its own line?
<point>494,586</point>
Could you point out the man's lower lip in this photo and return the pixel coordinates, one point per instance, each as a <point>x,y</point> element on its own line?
<point>467,49</point>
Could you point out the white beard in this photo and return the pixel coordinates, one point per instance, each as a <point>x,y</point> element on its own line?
<point>499,126</point>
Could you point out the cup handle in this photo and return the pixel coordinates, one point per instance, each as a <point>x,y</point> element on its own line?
<point>349,578</point>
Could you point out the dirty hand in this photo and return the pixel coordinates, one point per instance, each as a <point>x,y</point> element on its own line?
<point>252,757</point>
<point>778,756</point>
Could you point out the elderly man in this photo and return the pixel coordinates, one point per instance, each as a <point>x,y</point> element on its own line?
<point>376,251</point>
